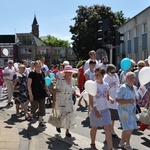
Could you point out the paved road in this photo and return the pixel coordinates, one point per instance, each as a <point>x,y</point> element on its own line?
<point>34,137</point>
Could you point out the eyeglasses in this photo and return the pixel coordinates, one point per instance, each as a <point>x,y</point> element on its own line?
<point>112,72</point>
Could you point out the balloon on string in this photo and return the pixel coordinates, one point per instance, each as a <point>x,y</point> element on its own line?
<point>144,75</point>
<point>149,60</point>
<point>47,81</point>
<point>85,95</point>
<point>125,64</point>
<point>5,52</point>
<point>52,75</point>
<point>16,65</point>
<point>91,87</point>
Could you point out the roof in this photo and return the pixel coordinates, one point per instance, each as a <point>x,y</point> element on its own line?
<point>29,39</point>
<point>135,16</point>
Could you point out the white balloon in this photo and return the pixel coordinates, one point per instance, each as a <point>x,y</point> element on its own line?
<point>16,65</point>
<point>91,87</point>
<point>5,52</point>
<point>149,60</point>
<point>144,75</point>
<point>85,95</point>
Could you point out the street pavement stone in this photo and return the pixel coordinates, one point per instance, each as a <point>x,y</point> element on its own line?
<point>18,134</point>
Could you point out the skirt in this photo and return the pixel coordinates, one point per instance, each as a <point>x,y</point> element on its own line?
<point>98,122</point>
<point>114,114</point>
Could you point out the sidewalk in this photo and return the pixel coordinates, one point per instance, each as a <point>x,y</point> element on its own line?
<point>18,134</point>
<point>9,137</point>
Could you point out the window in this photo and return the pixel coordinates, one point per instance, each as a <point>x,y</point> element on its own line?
<point>129,46</point>
<point>144,41</point>
<point>136,44</point>
<point>135,31</point>
<point>41,51</point>
<point>7,52</point>
<point>57,51</point>
<point>144,28</point>
<point>129,35</point>
<point>25,50</point>
<point>71,52</point>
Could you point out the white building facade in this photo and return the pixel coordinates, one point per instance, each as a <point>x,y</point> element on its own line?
<point>136,32</point>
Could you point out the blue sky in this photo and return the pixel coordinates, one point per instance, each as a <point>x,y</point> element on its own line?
<point>55,16</point>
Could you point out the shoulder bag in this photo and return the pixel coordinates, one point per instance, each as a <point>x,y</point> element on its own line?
<point>144,117</point>
<point>54,119</point>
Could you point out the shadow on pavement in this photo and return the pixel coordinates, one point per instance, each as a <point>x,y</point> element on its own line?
<point>14,119</point>
<point>3,99</point>
<point>82,109</point>
<point>137,132</point>
<point>86,122</point>
<point>146,143</point>
<point>30,131</point>
<point>59,144</point>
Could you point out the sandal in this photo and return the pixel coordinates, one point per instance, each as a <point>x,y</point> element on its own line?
<point>128,147</point>
<point>121,145</point>
<point>30,119</point>
<point>58,130</point>
<point>68,135</point>
<point>115,135</point>
<point>42,124</point>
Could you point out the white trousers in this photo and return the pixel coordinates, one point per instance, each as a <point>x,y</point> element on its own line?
<point>10,89</point>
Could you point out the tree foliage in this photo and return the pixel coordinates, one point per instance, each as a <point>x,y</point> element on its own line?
<point>86,26</point>
<point>55,42</point>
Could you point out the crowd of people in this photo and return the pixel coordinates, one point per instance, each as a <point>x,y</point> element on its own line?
<point>117,95</point>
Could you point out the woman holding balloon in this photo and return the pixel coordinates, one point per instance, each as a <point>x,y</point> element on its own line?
<point>37,92</point>
<point>99,113</point>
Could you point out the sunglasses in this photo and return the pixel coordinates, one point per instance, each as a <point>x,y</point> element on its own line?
<point>112,72</point>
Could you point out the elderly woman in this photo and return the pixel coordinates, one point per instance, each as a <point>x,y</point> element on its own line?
<point>123,73</point>
<point>37,92</point>
<point>113,80</point>
<point>20,90</point>
<point>127,97</point>
<point>62,99</point>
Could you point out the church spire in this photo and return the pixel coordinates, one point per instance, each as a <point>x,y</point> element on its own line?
<point>35,27</point>
<point>35,21</point>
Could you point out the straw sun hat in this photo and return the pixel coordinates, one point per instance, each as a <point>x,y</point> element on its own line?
<point>68,68</point>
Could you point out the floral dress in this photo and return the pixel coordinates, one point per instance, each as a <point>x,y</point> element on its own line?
<point>21,94</point>
<point>127,111</point>
<point>64,103</point>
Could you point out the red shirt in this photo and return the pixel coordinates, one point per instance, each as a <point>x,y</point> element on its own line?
<point>1,77</point>
<point>81,79</point>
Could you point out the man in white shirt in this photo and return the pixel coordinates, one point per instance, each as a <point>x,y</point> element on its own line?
<point>9,72</point>
<point>92,55</point>
<point>44,67</point>
<point>104,63</point>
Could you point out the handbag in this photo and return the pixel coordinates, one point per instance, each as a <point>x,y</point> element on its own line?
<point>144,117</point>
<point>54,119</point>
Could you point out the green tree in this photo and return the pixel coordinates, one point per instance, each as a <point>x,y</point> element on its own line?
<point>120,17</point>
<point>53,41</point>
<point>86,26</point>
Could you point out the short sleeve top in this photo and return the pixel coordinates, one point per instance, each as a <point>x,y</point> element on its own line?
<point>37,85</point>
